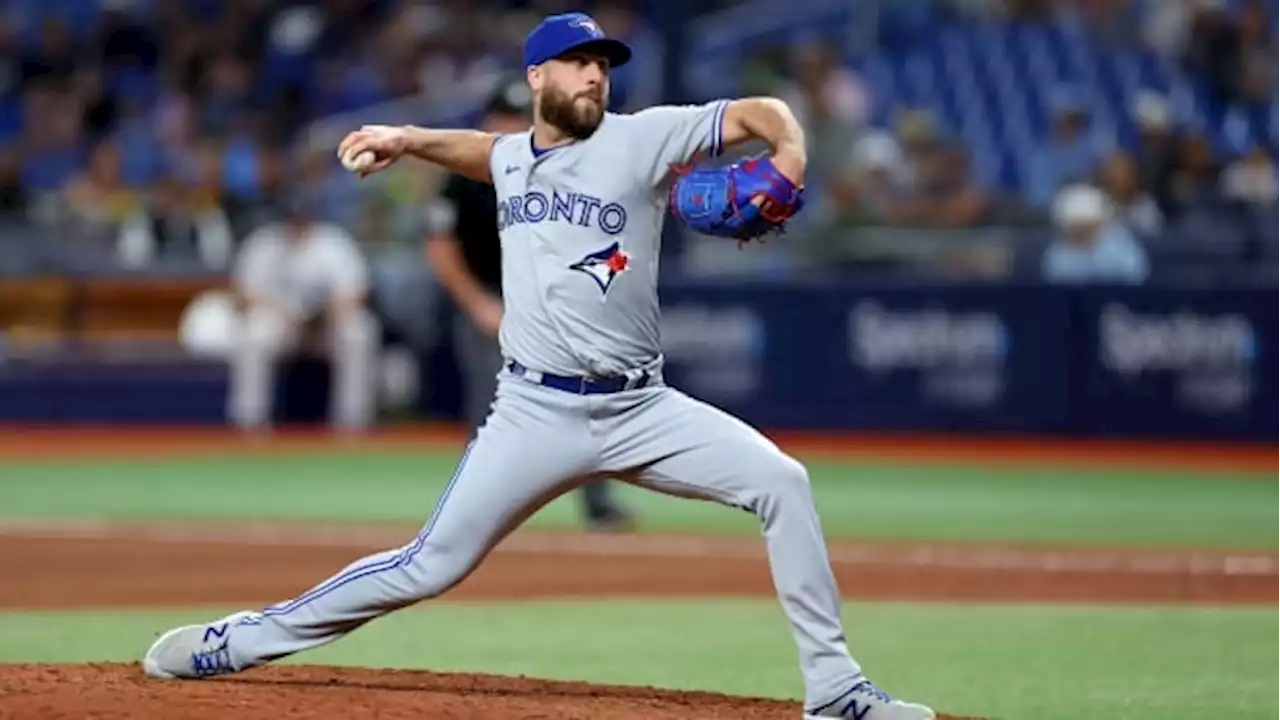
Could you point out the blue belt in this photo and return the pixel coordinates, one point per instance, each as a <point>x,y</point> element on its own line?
<point>579,385</point>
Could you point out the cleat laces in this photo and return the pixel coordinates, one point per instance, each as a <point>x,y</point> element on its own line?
<point>212,662</point>
<point>866,687</point>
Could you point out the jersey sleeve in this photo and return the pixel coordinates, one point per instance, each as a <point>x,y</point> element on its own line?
<point>669,135</point>
<point>500,153</point>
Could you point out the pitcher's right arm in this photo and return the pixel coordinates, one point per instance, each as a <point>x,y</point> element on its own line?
<point>465,152</point>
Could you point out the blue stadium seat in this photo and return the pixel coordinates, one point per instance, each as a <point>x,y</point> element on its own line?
<point>992,84</point>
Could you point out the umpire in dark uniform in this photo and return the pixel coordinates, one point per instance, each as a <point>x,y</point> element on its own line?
<point>465,253</point>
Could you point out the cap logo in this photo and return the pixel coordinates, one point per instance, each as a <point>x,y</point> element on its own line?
<point>589,25</point>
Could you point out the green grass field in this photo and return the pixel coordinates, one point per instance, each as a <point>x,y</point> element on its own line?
<point>1002,661</point>
<point>892,501</point>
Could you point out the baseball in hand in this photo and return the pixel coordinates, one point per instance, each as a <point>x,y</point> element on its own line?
<point>358,161</point>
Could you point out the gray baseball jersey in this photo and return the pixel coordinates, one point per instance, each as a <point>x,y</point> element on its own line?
<point>580,239</point>
<point>581,233</point>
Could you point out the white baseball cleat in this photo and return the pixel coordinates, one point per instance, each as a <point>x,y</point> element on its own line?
<point>865,701</point>
<point>194,651</point>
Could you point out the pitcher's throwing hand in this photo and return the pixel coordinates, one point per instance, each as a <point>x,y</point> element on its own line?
<point>384,143</point>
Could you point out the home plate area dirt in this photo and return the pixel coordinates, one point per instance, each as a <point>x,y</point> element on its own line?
<point>85,564</point>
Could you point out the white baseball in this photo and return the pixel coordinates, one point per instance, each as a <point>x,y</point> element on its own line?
<point>358,162</point>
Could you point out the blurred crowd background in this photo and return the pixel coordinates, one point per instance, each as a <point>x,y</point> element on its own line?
<point>150,135</point>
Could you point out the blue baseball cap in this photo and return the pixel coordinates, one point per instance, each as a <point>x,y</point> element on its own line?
<point>560,34</point>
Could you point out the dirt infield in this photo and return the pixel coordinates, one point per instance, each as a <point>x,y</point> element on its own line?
<point>94,564</point>
<point>320,693</point>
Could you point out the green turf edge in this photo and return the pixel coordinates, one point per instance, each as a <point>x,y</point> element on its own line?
<point>855,500</point>
<point>1006,661</point>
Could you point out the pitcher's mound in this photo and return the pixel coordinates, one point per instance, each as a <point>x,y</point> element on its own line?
<point>110,691</point>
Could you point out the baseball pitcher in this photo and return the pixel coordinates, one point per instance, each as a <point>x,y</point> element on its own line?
<point>302,282</point>
<point>582,196</point>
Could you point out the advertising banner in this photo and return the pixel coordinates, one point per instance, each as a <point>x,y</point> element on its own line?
<point>978,358</point>
<point>875,358</point>
<point>1175,363</point>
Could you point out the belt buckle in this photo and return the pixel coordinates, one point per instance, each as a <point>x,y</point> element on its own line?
<point>639,380</point>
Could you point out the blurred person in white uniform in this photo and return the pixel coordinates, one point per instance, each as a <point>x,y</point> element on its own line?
<point>302,285</point>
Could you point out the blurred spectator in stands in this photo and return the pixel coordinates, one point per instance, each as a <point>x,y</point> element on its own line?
<point>201,175</point>
<point>1211,49</point>
<point>134,134</point>
<point>918,131</point>
<point>98,106</point>
<point>876,183</point>
<point>1115,22</point>
<point>173,115</point>
<point>764,70</point>
<point>824,95</point>
<point>1252,178</point>
<point>103,208</point>
<point>865,193</point>
<point>53,143</point>
<point>53,58</point>
<point>1253,55</point>
<point>1134,208</point>
<point>13,198</point>
<point>462,59</point>
<point>1195,185</point>
<point>944,195</point>
<point>277,177</point>
<point>1157,147</point>
<point>248,173</point>
<point>827,101</point>
<point>189,212</point>
<point>638,84</point>
<point>1071,153</point>
<point>1090,246</point>
<point>1251,118</point>
<point>173,228</point>
<point>98,197</point>
<point>289,43</point>
<point>224,99</point>
<point>1166,24</point>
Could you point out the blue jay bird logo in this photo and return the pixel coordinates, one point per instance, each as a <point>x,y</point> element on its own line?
<point>603,266</point>
<point>589,25</point>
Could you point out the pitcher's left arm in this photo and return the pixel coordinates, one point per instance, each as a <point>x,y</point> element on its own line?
<point>770,120</point>
<point>670,136</point>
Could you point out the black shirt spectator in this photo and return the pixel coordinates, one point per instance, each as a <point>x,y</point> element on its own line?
<point>474,209</point>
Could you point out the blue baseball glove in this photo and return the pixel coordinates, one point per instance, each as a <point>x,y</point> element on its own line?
<point>745,201</point>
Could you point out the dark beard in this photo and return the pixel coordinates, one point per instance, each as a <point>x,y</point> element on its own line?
<point>561,111</point>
